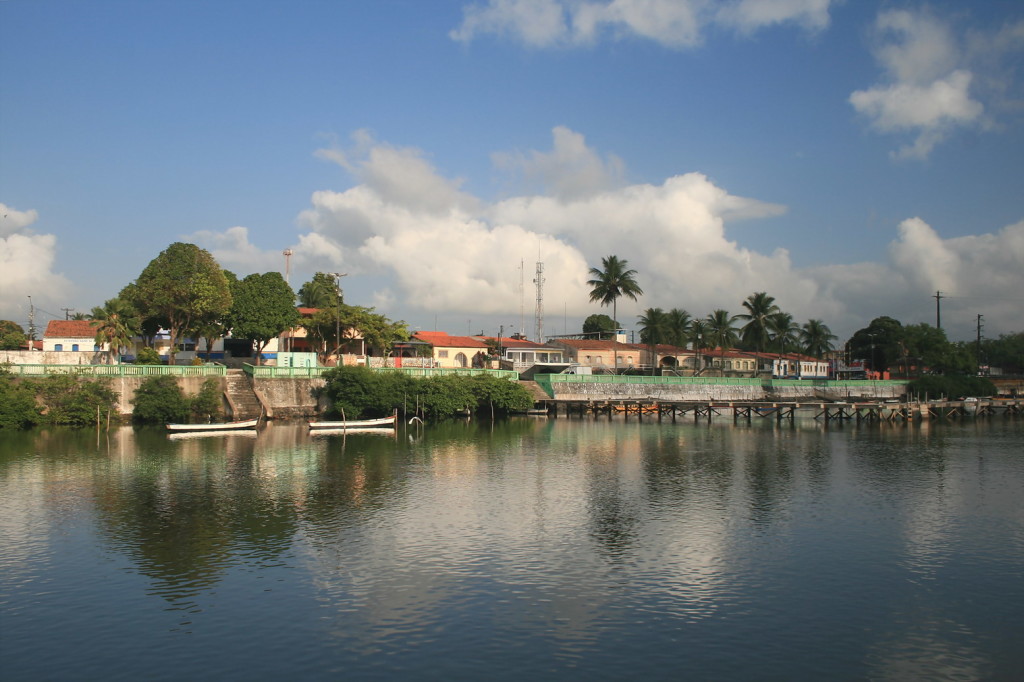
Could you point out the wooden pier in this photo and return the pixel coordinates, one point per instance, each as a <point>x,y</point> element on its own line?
<point>827,412</point>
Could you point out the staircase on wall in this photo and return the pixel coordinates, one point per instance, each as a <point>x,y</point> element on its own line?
<point>241,397</point>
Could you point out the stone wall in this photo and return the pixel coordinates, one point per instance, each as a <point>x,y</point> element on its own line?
<point>289,398</point>
<point>53,357</point>
<point>126,387</point>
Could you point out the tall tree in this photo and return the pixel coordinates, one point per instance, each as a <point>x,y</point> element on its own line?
<point>879,343</point>
<point>116,323</point>
<point>12,336</point>
<point>699,332</point>
<point>182,286</point>
<point>320,292</point>
<point>816,338</point>
<point>722,333</point>
<point>600,325</point>
<point>263,307</point>
<point>784,331</point>
<point>678,327</point>
<point>654,330</point>
<point>757,331</point>
<point>607,285</point>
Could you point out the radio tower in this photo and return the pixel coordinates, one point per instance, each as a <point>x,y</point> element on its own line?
<point>539,315</point>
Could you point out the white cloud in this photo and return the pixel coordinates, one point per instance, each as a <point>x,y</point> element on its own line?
<point>672,23</point>
<point>26,265</point>
<point>463,256</point>
<point>934,82</point>
<point>571,170</point>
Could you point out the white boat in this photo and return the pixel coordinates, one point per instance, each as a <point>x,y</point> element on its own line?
<point>366,430</point>
<point>224,426</point>
<point>380,422</point>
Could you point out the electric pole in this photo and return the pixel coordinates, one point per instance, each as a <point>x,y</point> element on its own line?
<point>978,346</point>
<point>938,313</point>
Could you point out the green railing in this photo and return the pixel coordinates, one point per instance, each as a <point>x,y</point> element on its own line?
<point>272,372</point>
<point>121,370</point>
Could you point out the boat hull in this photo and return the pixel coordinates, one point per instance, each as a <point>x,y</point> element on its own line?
<point>213,428</point>
<point>381,423</point>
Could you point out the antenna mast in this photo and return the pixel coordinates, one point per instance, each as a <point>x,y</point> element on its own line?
<point>522,298</point>
<point>539,315</point>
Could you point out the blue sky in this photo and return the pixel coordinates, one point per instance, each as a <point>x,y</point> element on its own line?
<point>849,158</point>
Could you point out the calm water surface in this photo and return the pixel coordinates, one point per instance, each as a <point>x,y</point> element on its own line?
<point>533,549</point>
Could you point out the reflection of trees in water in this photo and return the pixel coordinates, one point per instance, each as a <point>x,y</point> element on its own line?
<point>187,515</point>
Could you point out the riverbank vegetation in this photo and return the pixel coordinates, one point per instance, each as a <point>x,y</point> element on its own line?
<point>359,392</point>
<point>160,400</point>
<point>57,399</point>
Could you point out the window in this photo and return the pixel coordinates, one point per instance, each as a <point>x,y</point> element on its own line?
<point>58,346</point>
<point>95,348</point>
<point>460,360</point>
<point>74,347</point>
<point>442,354</point>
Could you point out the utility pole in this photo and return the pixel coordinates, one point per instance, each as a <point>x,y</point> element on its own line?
<point>539,314</point>
<point>977,351</point>
<point>938,313</point>
<point>337,320</point>
<point>67,312</point>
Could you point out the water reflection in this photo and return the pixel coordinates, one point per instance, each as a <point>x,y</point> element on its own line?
<point>579,544</point>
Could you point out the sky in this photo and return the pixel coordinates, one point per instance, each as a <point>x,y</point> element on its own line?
<point>851,159</point>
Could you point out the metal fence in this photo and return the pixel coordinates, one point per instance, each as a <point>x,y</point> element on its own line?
<point>208,370</point>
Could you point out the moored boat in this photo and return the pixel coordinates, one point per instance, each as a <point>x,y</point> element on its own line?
<point>380,422</point>
<point>206,428</point>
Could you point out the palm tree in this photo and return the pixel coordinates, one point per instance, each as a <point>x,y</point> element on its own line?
<point>116,323</point>
<point>699,332</point>
<point>756,332</point>
<point>609,284</point>
<point>321,292</point>
<point>784,331</point>
<point>722,332</point>
<point>654,329</point>
<point>678,327</point>
<point>817,338</point>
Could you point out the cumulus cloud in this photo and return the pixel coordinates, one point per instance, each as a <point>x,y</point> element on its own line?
<point>934,82</point>
<point>26,265</point>
<point>673,23</point>
<point>571,170</point>
<point>467,256</point>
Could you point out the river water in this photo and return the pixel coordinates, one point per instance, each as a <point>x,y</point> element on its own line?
<point>569,549</point>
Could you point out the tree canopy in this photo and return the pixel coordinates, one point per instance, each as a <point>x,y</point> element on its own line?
<point>12,336</point>
<point>183,286</point>
<point>600,325</point>
<point>263,306</point>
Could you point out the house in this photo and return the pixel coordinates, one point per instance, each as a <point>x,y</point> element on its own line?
<point>600,354</point>
<point>523,353</point>
<point>72,335</point>
<point>733,362</point>
<point>454,351</point>
<point>669,358</point>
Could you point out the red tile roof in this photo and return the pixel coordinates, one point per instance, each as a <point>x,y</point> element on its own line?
<point>443,340</point>
<point>70,329</point>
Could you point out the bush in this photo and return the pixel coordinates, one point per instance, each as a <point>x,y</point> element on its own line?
<point>18,408</point>
<point>148,356</point>
<point>206,405</point>
<point>159,400</point>
<point>70,400</point>
<point>951,386</point>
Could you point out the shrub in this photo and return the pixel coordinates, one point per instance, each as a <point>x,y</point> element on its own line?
<point>159,400</point>
<point>362,392</point>
<point>18,408</point>
<point>70,400</point>
<point>206,405</point>
<point>148,356</point>
<point>951,386</point>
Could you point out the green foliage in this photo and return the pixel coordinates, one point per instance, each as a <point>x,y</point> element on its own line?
<point>206,405</point>
<point>443,397</point>
<point>362,392</point>
<point>159,400</point>
<point>183,286</point>
<point>262,307</point>
<point>116,323</point>
<point>147,356</point>
<point>320,292</point>
<point>602,326</point>
<point>499,396</point>
<point>951,386</point>
<point>18,408</point>
<point>878,343</point>
<point>1006,353</point>
<point>70,400</point>
<point>12,336</point>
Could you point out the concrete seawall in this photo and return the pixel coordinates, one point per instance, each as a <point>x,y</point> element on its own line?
<point>726,392</point>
